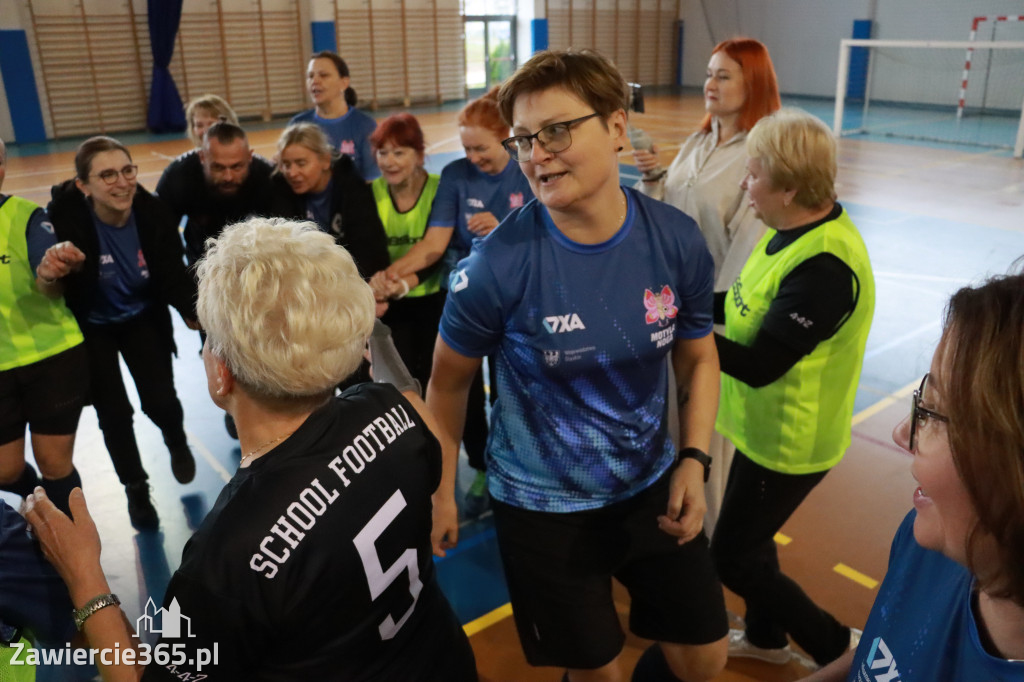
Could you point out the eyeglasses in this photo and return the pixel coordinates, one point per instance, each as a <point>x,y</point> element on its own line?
<point>919,415</point>
<point>552,138</point>
<point>109,175</point>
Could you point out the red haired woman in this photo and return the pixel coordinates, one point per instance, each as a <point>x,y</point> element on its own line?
<point>404,195</point>
<point>475,194</point>
<point>704,179</point>
<point>704,182</point>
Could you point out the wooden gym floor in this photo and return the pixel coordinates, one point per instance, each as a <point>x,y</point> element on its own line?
<point>934,219</point>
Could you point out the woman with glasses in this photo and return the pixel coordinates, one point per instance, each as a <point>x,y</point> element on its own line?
<point>582,296</point>
<point>334,111</point>
<point>951,606</point>
<point>796,324</point>
<point>475,194</point>
<point>132,271</point>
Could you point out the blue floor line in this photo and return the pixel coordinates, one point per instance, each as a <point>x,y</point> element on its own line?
<point>466,545</point>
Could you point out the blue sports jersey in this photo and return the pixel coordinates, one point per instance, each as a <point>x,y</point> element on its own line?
<point>923,625</point>
<point>581,333</point>
<point>350,135</point>
<point>123,290</point>
<point>466,190</point>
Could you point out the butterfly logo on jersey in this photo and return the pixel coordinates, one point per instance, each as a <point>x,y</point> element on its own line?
<point>347,147</point>
<point>515,200</point>
<point>660,307</point>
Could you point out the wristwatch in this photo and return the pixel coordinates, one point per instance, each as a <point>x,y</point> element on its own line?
<point>92,606</point>
<point>700,456</point>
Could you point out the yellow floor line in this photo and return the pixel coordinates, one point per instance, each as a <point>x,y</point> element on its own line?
<point>205,453</point>
<point>487,620</point>
<point>885,402</point>
<point>855,576</point>
<point>783,540</point>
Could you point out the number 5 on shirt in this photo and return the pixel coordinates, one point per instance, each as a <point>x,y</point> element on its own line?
<point>379,579</point>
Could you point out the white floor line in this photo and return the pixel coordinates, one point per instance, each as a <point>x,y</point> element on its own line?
<point>874,352</point>
<point>205,453</point>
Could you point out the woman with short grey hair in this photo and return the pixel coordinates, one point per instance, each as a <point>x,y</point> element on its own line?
<point>315,561</point>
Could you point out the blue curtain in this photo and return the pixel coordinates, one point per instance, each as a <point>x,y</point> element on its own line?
<point>165,108</point>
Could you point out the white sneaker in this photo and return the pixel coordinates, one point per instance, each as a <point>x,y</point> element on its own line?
<point>740,647</point>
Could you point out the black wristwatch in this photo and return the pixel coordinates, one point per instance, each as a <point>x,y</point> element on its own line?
<point>700,456</point>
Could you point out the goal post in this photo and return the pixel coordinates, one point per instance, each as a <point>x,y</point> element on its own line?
<point>913,92</point>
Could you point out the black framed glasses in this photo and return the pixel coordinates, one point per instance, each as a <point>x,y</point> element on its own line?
<point>109,175</point>
<point>552,138</point>
<point>919,414</point>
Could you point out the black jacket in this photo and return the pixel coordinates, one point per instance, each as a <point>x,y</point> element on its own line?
<point>355,223</point>
<point>158,237</point>
<point>183,188</point>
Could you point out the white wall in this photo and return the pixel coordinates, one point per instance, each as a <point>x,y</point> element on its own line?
<point>803,35</point>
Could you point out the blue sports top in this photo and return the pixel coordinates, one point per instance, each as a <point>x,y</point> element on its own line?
<point>581,333</point>
<point>124,288</point>
<point>349,134</point>
<point>923,625</point>
<point>466,190</point>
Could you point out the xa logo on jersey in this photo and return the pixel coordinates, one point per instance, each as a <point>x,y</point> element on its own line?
<point>474,203</point>
<point>559,324</point>
<point>515,200</point>
<point>881,659</point>
<point>459,281</point>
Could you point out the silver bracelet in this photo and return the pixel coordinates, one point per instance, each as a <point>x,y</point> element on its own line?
<point>92,606</point>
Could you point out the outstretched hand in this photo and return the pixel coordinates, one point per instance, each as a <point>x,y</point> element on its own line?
<point>72,545</point>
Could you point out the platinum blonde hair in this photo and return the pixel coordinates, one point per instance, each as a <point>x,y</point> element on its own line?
<point>283,307</point>
<point>798,151</point>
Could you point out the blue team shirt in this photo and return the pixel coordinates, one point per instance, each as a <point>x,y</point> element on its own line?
<point>465,190</point>
<point>581,333</point>
<point>318,207</point>
<point>350,135</point>
<point>123,289</point>
<point>922,625</point>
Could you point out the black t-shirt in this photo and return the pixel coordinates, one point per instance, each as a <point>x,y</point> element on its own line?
<point>184,189</point>
<point>315,562</point>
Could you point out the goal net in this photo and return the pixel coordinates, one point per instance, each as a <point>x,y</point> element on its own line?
<point>913,89</point>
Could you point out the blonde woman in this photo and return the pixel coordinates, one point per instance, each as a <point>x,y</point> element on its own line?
<point>314,183</point>
<point>322,537</point>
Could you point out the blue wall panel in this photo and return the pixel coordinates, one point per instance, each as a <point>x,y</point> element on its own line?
<point>323,36</point>
<point>20,86</point>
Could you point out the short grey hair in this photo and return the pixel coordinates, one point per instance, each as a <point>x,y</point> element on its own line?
<point>284,308</point>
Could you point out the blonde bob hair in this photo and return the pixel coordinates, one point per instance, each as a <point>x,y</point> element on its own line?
<point>310,136</point>
<point>284,308</point>
<point>797,151</point>
<point>213,106</point>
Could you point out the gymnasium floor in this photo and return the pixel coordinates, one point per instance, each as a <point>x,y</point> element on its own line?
<point>934,217</point>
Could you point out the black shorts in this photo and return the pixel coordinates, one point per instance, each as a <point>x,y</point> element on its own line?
<point>47,395</point>
<point>559,569</point>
